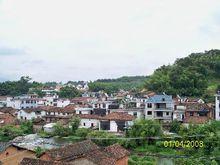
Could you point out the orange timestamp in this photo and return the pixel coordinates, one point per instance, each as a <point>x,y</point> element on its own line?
<point>183,144</point>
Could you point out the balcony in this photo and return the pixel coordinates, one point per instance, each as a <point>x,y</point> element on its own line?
<point>163,109</point>
<point>163,117</point>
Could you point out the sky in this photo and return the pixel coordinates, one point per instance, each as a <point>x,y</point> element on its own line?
<point>61,40</point>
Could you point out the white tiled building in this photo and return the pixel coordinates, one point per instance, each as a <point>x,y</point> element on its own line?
<point>159,107</point>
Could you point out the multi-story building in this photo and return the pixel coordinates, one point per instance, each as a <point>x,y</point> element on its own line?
<point>217,106</point>
<point>159,107</point>
<point>22,102</point>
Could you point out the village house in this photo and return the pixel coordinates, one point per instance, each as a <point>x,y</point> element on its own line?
<point>54,114</point>
<point>136,112</point>
<point>116,122</point>
<point>159,107</point>
<point>197,113</point>
<point>50,100</point>
<point>29,114</point>
<point>89,121</point>
<point>63,102</point>
<point>81,100</point>
<point>87,152</point>
<point>217,106</point>
<point>22,102</point>
<point>84,109</point>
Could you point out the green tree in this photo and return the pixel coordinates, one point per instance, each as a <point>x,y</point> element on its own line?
<point>175,126</point>
<point>60,130</point>
<point>74,124</point>
<point>39,151</point>
<point>102,138</point>
<point>144,128</point>
<point>68,92</point>
<point>27,127</point>
<point>9,132</point>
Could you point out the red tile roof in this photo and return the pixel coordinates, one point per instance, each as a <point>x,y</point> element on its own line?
<point>72,151</point>
<point>116,151</point>
<point>32,161</point>
<point>121,116</point>
<point>100,158</point>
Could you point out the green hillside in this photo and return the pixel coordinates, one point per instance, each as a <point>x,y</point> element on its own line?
<point>114,85</point>
<point>197,75</point>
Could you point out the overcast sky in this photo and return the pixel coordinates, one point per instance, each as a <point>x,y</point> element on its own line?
<point>60,40</point>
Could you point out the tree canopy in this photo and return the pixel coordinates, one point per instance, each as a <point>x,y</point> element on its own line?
<point>194,75</point>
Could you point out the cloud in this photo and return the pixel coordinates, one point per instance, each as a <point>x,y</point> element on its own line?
<point>72,40</point>
<point>5,51</point>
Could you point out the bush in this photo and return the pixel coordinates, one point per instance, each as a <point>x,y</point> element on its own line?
<point>82,132</point>
<point>102,138</point>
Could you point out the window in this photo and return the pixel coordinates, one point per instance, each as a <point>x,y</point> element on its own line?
<point>149,105</point>
<point>135,114</point>
<point>25,118</point>
<point>92,124</point>
<point>163,99</point>
<point>167,113</point>
<point>149,112</point>
<point>22,117</point>
<point>84,124</point>
<point>191,113</point>
<point>80,112</point>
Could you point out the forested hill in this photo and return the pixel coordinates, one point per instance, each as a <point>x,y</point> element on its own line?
<point>113,85</point>
<point>195,75</point>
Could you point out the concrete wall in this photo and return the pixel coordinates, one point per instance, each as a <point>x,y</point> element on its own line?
<point>88,123</point>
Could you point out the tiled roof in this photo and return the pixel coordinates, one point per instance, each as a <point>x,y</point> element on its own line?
<point>122,116</point>
<point>116,151</point>
<point>67,109</point>
<point>197,107</point>
<point>88,150</point>
<point>100,158</point>
<point>31,161</point>
<point>72,151</point>
<point>8,110</point>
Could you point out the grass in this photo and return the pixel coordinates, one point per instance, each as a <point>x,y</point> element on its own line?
<point>155,150</point>
<point>145,160</point>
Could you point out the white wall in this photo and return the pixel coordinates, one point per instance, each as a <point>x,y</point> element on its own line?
<point>29,116</point>
<point>113,126</point>
<point>88,123</point>
<point>217,109</point>
<point>63,103</point>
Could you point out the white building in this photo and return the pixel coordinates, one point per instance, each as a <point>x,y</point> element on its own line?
<point>21,103</point>
<point>179,113</point>
<point>217,106</point>
<point>63,102</point>
<point>49,128</point>
<point>116,122</point>
<point>84,110</point>
<point>89,121</point>
<point>159,107</point>
<point>29,114</point>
